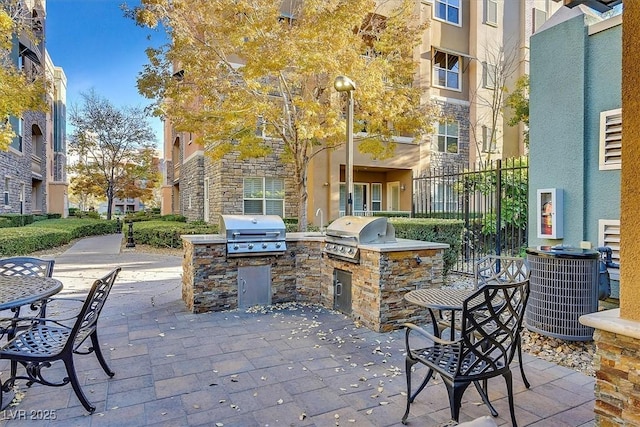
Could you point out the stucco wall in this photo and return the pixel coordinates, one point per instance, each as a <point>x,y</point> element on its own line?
<point>574,76</point>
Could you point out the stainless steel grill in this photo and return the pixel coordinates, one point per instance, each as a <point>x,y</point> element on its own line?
<point>345,234</point>
<point>253,235</point>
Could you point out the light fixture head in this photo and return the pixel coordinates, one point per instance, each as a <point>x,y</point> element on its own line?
<point>344,84</point>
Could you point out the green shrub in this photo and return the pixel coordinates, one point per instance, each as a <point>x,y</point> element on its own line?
<point>5,222</point>
<point>25,240</point>
<point>433,230</point>
<point>54,215</point>
<point>78,227</point>
<point>18,220</point>
<point>166,234</point>
<point>72,211</point>
<point>173,218</point>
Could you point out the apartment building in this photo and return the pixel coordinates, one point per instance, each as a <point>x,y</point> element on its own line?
<point>33,169</point>
<point>472,51</point>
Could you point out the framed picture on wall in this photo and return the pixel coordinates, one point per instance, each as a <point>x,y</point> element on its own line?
<point>549,213</point>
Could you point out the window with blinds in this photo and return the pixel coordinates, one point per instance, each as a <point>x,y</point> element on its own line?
<point>611,139</point>
<point>491,12</point>
<point>263,196</point>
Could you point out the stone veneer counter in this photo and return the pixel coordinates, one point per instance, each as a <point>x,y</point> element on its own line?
<point>303,273</point>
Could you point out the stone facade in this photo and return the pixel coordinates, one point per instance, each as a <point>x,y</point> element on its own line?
<point>459,112</point>
<point>304,274</point>
<point>379,283</point>
<point>192,188</point>
<point>226,180</point>
<point>16,167</point>
<point>617,387</point>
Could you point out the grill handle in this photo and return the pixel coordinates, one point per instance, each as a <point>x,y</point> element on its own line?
<point>244,286</point>
<point>263,233</point>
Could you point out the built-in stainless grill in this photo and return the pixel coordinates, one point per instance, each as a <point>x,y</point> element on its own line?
<point>345,234</point>
<point>253,235</point>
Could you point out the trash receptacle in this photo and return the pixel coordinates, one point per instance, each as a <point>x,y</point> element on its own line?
<point>563,287</point>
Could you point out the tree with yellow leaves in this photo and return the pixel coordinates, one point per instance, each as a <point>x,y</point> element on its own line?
<point>19,92</point>
<point>233,66</point>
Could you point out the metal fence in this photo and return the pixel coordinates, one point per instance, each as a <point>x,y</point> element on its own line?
<point>491,201</point>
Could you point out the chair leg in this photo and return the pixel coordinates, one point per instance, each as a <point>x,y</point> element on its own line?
<point>509,381</point>
<point>96,349</point>
<point>73,378</point>
<point>484,394</point>
<point>411,397</point>
<point>524,377</point>
<point>455,392</point>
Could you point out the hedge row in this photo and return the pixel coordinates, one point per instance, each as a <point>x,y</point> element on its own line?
<point>433,230</point>
<point>166,234</point>
<point>49,233</point>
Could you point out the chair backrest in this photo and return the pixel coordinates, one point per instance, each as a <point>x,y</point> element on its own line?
<point>87,319</point>
<point>26,266</point>
<point>491,323</point>
<point>500,269</point>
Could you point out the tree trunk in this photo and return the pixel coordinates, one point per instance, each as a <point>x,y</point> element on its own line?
<point>109,201</point>
<point>303,196</point>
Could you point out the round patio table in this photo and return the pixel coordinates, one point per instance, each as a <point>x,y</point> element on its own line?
<point>16,291</point>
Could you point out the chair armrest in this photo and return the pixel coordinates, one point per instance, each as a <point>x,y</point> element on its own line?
<point>410,327</point>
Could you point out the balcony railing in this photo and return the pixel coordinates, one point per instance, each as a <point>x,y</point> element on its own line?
<point>176,173</point>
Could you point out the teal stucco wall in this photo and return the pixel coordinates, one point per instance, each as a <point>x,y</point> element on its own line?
<point>574,76</point>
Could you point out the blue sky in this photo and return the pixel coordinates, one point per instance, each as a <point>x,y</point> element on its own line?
<point>101,49</point>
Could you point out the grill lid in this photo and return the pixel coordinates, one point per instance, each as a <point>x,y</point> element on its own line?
<point>253,235</point>
<point>355,230</point>
<point>254,228</point>
<point>345,234</point>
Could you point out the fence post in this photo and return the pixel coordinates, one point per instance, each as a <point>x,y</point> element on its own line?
<point>498,206</point>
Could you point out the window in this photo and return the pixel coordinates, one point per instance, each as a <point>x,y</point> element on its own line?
<point>447,10</point>
<point>539,18</point>
<point>491,12</point>
<point>17,124</point>
<point>488,75</point>
<point>448,137</point>
<point>264,196</point>
<point>488,140</point>
<point>611,139</point>
<point>6,191</point>
<point>446,70</point>
<point>609,235</point>
<point>376,197</point>
<point>443,198</point>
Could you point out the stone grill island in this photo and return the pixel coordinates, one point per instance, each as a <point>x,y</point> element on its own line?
<point>370,290</point>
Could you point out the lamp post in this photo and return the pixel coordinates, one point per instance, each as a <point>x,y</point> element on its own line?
<point>345,84</point>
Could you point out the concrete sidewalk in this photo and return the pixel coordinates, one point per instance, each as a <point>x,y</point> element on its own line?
<point>292,366</point>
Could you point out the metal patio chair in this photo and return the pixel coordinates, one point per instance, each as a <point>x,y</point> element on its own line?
<point>26,266</point>
<point>491,323</point>
<point>504,269</point>
<point>49,340</point>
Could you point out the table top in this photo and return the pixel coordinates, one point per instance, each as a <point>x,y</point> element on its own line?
<point>439,299</point>
<point>16,291</point>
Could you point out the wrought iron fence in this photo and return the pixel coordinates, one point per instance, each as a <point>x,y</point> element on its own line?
<point>492,202</point>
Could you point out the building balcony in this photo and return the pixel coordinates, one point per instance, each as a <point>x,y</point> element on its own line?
<point>36,165</point>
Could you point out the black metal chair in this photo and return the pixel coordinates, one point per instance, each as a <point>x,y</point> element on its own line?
<point>23,266</point>
<point>504,269</point>
<point>491,322</point>
<point>26,266</point>
<point>48,340</point>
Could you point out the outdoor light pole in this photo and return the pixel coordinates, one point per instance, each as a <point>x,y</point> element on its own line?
<point>345,84</point>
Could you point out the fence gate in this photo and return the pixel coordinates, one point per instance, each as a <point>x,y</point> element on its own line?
<point>491,201</point>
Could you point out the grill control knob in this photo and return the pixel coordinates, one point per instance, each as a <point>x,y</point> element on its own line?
<point>350,250</point>
<point>250,245</point>
<point>342,249</point>
<point>278,245</point>
<point>264,246</point>
<point>236,247</point>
